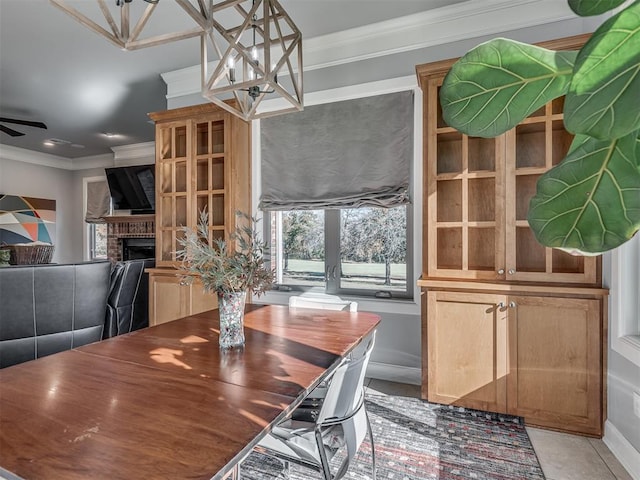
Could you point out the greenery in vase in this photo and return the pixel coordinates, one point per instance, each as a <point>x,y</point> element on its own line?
<point>590,202</point>
<point>224,267</point>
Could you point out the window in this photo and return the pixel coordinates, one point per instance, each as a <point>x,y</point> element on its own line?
<point>96,207</point>
<point>97,241</point>
<point>335,188</point>
<point>355,251</point>
<point>625,299</point>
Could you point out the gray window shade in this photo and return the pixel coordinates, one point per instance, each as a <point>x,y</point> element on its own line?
<point>97,202</point>
<point>339,155</point>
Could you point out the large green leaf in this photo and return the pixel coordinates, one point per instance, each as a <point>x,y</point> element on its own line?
<point>590,202</point>
<point>586,8</point>
<point>604,96</point>
<point>499,83</point>
<point>638,150</point>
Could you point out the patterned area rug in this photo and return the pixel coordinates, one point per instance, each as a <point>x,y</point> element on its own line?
<point>416,440</point>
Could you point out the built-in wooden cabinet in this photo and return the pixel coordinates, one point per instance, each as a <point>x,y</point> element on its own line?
<point>508,324</point>
<point>534,355</point>
<point>203,162</point>
<point>169,299</point>
<point>478,192</point>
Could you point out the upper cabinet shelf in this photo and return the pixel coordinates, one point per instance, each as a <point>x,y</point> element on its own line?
<point>477,193</point>
<point>203,163</point>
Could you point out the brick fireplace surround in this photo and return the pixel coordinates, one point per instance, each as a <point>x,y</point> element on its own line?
<point>127,226</point>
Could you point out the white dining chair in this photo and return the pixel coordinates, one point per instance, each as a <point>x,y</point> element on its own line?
<point>322,301</point>
<point>342,422</point>
<point>325,302</point>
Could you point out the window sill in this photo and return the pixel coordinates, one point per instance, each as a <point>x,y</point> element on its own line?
<point>403,306</point>
<point>628,346</point>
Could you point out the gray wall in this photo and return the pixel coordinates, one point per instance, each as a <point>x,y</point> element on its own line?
<point>27,179</point>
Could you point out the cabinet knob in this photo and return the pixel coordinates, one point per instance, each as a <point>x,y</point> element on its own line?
<point>501,305</point>
<point>512,304</point>
<point>501,271</point>
<point>511,271</point>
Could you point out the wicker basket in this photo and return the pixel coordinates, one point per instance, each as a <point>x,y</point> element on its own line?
<point>29,254</point>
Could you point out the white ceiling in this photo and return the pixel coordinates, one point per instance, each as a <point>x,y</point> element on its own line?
<point>54,70</point>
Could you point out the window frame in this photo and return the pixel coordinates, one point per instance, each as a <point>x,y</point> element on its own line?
<point>625,299</point>
<point>416,187</point>
<point>88,239</point>
<point>332,283</point>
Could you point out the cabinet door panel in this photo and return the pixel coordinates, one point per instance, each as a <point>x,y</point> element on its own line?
<point>555,362</point>
<point>532,148</point>
<point>466,335</point>
<point>168,300</point>
<point>465,191</point>
<point>201,301</point>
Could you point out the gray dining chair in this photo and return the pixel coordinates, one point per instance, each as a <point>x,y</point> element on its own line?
<point>341,422</point>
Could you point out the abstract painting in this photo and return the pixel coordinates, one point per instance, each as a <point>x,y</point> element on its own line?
<point>26,220</point>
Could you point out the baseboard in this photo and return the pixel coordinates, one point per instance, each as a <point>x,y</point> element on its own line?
<point>626,454</point>
<point>394,373</point>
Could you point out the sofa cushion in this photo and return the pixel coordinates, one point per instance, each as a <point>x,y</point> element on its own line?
<point>46,309</point>
<point>128,302</point>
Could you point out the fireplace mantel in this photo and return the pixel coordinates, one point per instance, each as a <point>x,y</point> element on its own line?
<point>127,226</point>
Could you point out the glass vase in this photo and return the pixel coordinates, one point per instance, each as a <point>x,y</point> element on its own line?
<point>231,310</point>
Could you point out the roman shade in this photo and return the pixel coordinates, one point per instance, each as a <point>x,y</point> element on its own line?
<point>98,199</point>
<point>344,154</point>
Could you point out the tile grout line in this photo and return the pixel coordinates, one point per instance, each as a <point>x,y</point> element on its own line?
<point>604,460</point>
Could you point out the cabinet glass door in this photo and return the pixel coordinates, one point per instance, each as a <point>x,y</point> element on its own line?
<point>465,230</point>
<point>533,147</point>
<point>210,174</point>
<point>172,174</point>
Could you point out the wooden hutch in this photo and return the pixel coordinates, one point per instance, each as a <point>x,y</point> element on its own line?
<point>507,325</point>
<point>203,162</point>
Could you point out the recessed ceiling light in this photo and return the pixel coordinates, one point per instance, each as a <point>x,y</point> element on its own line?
<point>50,142</point>
<point>77,145</point>
<point>110,134</point>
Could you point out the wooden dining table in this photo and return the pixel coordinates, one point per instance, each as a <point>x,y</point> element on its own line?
<point>166,402</point>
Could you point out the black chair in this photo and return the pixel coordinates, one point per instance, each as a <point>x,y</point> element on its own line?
<point>128,301</point>
<point>46,309</point>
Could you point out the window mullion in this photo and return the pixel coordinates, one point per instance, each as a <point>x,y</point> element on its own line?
<point>332,250</point>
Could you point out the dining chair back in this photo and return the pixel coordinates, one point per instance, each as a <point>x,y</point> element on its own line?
<point>322,301</point>
<point>341,422</point>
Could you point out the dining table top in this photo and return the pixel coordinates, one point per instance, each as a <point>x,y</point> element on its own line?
<point>166,401</point>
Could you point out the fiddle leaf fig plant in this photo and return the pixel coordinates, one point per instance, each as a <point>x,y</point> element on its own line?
<point>590,202</point>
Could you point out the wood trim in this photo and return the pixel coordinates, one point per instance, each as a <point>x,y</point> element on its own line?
<point>129,218</point>
<point>440,68</point>
<point>204,109</point>
<point>511,288</point>
<point>424,388</point>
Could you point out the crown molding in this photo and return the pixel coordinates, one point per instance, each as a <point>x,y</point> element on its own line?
<point>439,26</point>
<point>124,153</point>
<point>16,154</point>
<point>93,161</point>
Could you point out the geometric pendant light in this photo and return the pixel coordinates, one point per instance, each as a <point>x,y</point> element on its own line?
<point>258,55</point>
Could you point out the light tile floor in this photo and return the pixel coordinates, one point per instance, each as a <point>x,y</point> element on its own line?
<point>562,456</point>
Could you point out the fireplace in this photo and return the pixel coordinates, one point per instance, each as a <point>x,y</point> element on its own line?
<point>134,248</point>
<point>130,237</point>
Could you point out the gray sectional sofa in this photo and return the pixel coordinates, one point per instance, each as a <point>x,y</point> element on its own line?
<point>45,309</point>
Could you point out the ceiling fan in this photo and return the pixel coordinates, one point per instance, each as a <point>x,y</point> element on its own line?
<point>15,133</point>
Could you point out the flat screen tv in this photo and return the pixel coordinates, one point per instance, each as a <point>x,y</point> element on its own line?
<point>133,188</point>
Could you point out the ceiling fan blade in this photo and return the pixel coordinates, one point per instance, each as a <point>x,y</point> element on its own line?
<point>23,122</point>
<point>10,131</point>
